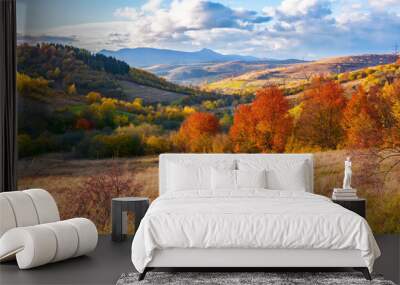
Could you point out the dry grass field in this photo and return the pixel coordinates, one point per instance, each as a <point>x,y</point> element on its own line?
<point>67,181</point>
<point>148,94</point>
<point>71,183</point>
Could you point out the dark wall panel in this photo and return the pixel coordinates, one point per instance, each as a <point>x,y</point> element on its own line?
<point>8,102</point>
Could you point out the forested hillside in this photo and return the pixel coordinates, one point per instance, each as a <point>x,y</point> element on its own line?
<point>79,71</point>
<point>90,105</point>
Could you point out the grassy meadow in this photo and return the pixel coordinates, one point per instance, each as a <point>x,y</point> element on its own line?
<point>67,181</point>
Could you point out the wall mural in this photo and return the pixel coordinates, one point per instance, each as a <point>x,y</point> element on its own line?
<point>105,86</point>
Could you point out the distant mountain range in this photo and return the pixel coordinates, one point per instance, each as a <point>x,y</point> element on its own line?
<point>197,74</point>
<point>196,67</point>
<point>143,57</point>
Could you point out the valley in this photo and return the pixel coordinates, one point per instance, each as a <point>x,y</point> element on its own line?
<point>294,76</point>
<point>194,68</point>
<point>237,74</point>
<point>202,73</point>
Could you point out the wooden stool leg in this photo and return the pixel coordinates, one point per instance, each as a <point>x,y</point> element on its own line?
<point>116,217</point>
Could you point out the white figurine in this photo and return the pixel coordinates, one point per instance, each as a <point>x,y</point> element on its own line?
<point>347,174</point>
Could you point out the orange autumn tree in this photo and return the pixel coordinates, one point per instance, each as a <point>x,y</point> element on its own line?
<point>391,93</point>
<point>366,119</point>
<point>319,124</point>
<point>264,125</point>
<point>243,131</point>
<point>196,132</point>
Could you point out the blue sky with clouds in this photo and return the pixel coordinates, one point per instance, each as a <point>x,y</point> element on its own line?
<point>271,28</point>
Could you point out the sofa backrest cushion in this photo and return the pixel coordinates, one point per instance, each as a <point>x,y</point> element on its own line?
<point>7,218</point>
<point>26,208</point>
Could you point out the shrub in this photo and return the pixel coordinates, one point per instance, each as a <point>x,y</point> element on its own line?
<point>25,146</point>
<point>156,145</point>
<point>69,140</point>
<point>97,192</point>
<point>93,97</point>
<point>114,145</point>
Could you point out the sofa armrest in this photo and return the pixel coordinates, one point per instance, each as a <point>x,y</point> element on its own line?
<point>32,246</point>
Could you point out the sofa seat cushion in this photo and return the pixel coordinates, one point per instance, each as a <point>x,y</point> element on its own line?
<point>40,244</point>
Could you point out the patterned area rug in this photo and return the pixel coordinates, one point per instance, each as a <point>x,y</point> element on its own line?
<point>243,278</point>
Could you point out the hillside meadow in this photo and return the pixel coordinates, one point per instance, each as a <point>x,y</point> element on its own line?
<point>71,183</point>
<point>354,70</point>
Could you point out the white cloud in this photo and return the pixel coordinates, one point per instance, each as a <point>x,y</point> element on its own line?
<point>313,8</point>
<point>152,5</point>
<point>126,12</point>
<point>380,4</point>
<point>191,14</point>
<point>295,28</point>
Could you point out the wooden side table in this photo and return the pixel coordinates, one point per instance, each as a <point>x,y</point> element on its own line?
<point>119,209</point>
<point>357,205</point>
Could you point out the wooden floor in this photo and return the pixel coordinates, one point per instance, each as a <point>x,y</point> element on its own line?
<point>111,259</point>
<point>103,266</point>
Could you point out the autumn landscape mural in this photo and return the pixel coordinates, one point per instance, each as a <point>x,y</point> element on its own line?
<point>106,86</point>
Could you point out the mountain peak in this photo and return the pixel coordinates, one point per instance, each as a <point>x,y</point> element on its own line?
<point>207,50</point>
<point>141,57</point>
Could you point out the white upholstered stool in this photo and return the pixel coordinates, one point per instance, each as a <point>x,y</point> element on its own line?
<point>31,230</point>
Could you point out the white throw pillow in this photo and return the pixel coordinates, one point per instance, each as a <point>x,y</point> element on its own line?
<point>290,174</point>
<point>223,179</point>
<point>182,177</point>
<point>183,174</point>
<point>251,178</point>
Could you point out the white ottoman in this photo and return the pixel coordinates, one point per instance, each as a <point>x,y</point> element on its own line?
<point>33,243</point>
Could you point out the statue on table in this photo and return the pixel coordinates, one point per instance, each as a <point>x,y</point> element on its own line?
<point>347,174</point>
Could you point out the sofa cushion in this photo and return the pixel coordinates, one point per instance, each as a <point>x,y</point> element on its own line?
<point>7,220</point>
<point>46,207</point>
<point>23,208</point>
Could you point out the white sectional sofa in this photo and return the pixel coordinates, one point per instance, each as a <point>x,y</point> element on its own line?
<point>31,230</point>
